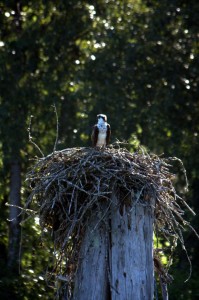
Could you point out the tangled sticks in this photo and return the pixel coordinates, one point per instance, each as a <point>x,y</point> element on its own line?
<point>70,185</point>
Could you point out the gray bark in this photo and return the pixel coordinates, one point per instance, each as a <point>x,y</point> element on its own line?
<point>128,272</point>
<point>131,252</point>
<point>91,279</point>
<point>14,225</point>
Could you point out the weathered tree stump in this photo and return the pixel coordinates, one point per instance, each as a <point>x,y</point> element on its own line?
<point>128,245</point>
<point>91,279</point>
<point>131,252</point>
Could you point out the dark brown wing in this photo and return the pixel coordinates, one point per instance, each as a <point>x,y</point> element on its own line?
<point>94,135</point>
<point>108,134</point>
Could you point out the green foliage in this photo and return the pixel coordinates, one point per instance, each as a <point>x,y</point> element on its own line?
<point>136,61</point>
<point>36,259</point>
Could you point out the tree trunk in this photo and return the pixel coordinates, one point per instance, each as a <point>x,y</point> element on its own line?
<point>131,252</point>
<point>128,272</point>
<point>14,225</point>
<point>91,280</point>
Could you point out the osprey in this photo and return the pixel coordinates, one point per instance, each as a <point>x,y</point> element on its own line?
<point>101,132</point>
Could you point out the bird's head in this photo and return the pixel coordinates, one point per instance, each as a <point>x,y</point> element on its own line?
<point>102,117</point>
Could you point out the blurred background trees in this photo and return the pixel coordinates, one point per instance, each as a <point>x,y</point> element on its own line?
<point>136,61</point>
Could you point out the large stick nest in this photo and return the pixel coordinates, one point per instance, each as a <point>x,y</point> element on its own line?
<point>69,185</point>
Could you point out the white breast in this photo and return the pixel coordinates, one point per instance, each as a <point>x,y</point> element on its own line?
<point>102,126</point>
<point>101,141</point>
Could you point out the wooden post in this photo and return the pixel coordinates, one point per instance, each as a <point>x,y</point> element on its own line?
<point>128,272</point>
<point>91,279</point>
<point>131,252</point>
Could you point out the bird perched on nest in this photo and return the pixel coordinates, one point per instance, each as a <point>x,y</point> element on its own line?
<point>101,132</point>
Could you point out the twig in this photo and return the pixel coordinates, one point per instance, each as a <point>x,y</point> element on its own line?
<point>57,128</point>
<point>30,137</point>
